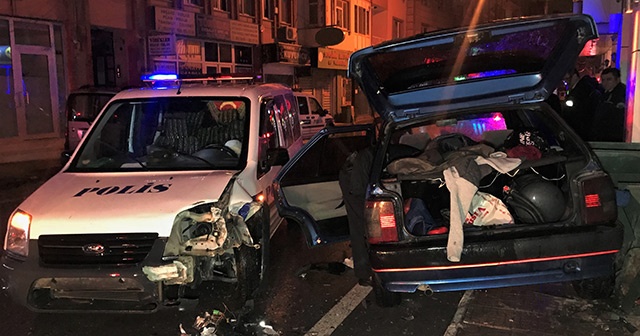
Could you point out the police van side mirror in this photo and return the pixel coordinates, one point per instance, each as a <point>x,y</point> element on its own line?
<point>277,156</point>
<point>65,156</point>
<point>323,112</point>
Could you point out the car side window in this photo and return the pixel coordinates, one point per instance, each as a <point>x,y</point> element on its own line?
<point>314,106</point>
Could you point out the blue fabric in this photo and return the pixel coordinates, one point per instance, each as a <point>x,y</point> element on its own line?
<point>418,220</point>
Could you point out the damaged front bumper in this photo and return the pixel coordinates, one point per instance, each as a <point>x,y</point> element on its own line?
<point>83,287</point>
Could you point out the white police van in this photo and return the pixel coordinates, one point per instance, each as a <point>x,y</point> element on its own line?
<point>171,187</point>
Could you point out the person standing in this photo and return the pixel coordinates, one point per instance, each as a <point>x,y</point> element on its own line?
<point>608,122</point>
<point>583,97</point>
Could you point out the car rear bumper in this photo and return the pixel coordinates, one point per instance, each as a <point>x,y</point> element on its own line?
<point>81,288</point>
<point>499,262</point>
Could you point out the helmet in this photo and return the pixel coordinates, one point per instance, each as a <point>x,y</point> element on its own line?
<point>532,199</point>
<point>235,145</point>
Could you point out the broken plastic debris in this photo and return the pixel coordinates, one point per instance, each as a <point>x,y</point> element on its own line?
<point>348,262</point>
<point>245,210</point>
<point>176,272</point>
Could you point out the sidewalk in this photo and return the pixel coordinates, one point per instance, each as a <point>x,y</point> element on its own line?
<point>546,310</point>
<point>15,174</point>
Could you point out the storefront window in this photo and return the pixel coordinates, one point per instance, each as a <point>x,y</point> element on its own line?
<point>225,53</point>
<point>198,57</point>
<point>210,52</point>
<point>32,33</point>
<point>9,124</point>
<point>189,50</point>
<point>243,55</point>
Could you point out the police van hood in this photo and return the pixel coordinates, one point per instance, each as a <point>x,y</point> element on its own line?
<point>509,61</point>
<point>83,203</point>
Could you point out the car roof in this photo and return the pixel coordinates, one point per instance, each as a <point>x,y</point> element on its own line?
<point>509,61</point>
<point>222,90</point>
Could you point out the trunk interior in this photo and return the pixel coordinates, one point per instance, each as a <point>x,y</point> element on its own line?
<point>533,193</point>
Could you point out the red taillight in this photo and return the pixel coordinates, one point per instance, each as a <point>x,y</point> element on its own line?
<point>381,218</point>
<point>599,200</point>
<point>592,201</point>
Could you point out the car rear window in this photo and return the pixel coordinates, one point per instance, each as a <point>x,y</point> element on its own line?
<point>468,56</point>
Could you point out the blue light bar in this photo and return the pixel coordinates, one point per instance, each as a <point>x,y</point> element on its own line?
<point>160,77</point>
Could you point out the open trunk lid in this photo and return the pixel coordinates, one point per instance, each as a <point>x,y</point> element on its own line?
<point>507,61</point>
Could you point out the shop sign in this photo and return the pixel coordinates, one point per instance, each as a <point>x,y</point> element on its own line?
<point>162,45</point>
<point>213,27</point>
<point>285,53</point>
<point>244,32</point>
<point>174,21</point>
<point>332,59</point>
<point>164,67</point>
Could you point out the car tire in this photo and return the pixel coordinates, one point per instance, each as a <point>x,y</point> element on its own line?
<point>595,288</point>
<point>384,298</point>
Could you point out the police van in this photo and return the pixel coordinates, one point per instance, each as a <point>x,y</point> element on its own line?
<point>170,188</point>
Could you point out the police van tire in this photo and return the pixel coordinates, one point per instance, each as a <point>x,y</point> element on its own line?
<point>248,260</point>
<point>596,288</point>
<point>384,298</point>
<point>251,263</point>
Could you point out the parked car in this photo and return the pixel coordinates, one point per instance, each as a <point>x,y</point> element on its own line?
<point>83,106</point>
<point>171,187</point>
<point>473,180</point>
<point>312,116</point>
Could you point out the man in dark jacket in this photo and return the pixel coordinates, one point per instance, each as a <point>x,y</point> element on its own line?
<point>609,119</point>
<point>582,99</point>
<point>353,179</point>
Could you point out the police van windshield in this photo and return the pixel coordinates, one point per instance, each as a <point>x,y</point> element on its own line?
<point>168,133</point>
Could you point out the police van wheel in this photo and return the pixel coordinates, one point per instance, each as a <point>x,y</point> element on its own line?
<point>251,263</point>
<point>596,288</point>
<point>384,298</point>
<point>248,265</point>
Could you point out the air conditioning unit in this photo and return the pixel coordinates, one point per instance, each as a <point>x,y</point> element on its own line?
<point>287,34</point>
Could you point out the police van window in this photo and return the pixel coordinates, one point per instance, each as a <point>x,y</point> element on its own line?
<point>294,113</point>
<point>314,106</point>
<point>268,126</point>
<point>284,121</point>
<point>302,105</point>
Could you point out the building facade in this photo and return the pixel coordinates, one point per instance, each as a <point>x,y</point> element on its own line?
<point>51,47</point>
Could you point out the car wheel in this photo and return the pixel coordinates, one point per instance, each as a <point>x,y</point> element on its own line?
<point>596,288</point>
<point>384,298</point>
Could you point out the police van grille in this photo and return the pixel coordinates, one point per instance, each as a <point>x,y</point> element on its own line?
<point>95,249</point>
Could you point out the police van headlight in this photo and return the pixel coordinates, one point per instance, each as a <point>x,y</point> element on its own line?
<point>16,242</point>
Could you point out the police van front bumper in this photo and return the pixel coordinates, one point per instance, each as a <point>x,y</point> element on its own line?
<point>87,287</point>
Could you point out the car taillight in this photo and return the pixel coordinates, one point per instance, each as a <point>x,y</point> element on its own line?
<point>381,218</point>
<point>598,200</point>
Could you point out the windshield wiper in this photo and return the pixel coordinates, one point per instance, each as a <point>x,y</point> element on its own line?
<point>127,154</point>
<point>164,153</point>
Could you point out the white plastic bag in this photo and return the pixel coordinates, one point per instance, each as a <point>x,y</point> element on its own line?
<point>487,209</point>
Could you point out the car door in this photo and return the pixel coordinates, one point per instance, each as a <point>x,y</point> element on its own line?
<point>307,187</point>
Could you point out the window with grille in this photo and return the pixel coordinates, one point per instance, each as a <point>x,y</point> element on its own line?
<point>247,7</point>
<point>361,25</point>
<point>286,11</point>
<point>220,4</point>
<point>398,28</point>
<point>341,18</point>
